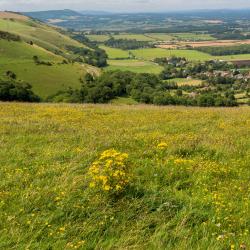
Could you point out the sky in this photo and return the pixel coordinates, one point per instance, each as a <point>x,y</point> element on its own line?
<point>122,5</point>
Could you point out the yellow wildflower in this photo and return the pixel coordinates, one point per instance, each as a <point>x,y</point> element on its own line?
<point>162,145</point>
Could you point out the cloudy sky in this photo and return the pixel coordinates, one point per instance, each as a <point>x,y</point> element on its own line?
<point>121,5</point>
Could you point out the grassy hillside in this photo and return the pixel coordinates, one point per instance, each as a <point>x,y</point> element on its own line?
<point>47,42</point>
<point>46,80</point>
<point>185,164</point>
<point>39,33</point>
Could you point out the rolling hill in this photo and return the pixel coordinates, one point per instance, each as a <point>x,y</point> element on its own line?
<point>49,45</point>
<point>53,14</point>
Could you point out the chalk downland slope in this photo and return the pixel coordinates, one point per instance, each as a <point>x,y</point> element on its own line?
<point>46,43</point>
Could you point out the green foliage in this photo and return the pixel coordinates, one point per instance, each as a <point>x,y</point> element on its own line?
<point>143,88</point>
<point>97,57</point>
<point>226,50</point>
<point>13,91</point>
<point>127,44</point>
<point>8,36</point>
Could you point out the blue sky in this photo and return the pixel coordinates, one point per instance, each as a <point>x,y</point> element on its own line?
<point>121,5</point>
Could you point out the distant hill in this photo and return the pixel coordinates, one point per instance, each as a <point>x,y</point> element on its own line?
<point>22,38</point>
<point>53,14</point>
<point>94,12</point>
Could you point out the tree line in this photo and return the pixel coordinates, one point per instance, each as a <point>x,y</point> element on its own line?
<point>16,91</point>
<point>226,50</point>
<point>127,44</point>
<point>142,87</point>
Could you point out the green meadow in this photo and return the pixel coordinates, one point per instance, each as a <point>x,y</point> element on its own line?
<point>115,53</point>
<point>134,66</point>
<point>188,185</point>
<point>45,80</point>
<point>150,54</point>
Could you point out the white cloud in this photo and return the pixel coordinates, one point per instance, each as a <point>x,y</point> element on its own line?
<point>120,5</point>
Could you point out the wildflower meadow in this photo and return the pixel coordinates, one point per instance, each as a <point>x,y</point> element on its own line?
<point>124,177</point>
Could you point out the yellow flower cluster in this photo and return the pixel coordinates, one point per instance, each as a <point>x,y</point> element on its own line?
<point>162,145</point>
<point>110,172</point>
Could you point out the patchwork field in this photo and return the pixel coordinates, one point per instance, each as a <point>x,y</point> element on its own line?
<point>184,165</point>
<point>216,43</point>
<point>153,37</point>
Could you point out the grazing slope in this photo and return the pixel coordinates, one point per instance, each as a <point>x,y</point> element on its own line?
<point>39,33</point>
<point>185,164</point>
<point>47,43</point>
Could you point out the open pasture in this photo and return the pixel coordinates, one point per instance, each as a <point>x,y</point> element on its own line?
<point>138,37</point>
<point>150,54</point>
<point>18,58</point>
<point>116,53</point>
<point>98,38</point>
<point>134,66</point>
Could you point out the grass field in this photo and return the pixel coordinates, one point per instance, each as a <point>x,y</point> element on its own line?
<point>138,37</point>
<point>185,164</point>
<point>193,37</point>
<point>134,66</point>
<point>150,54</point>
<point>152,37</point>
<point>98,38</point>
<point>235,57</point>
<point>160,36</point>
<point>115,53</point>
<point>192,55</point>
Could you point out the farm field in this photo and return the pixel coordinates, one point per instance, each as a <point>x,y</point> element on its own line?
<point>160,36</point>
<point>184,165</point>
<point>150,54</point>
<point>98,38</point>
<point>134,66</point>
<point>193,37</point>
<point>184,81</point>
<point>192,55</point>
<point>137,37</point>
<point>235,57</point>
<point>115,53</point>
<point>212,43</point>
<point>153,37</point>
